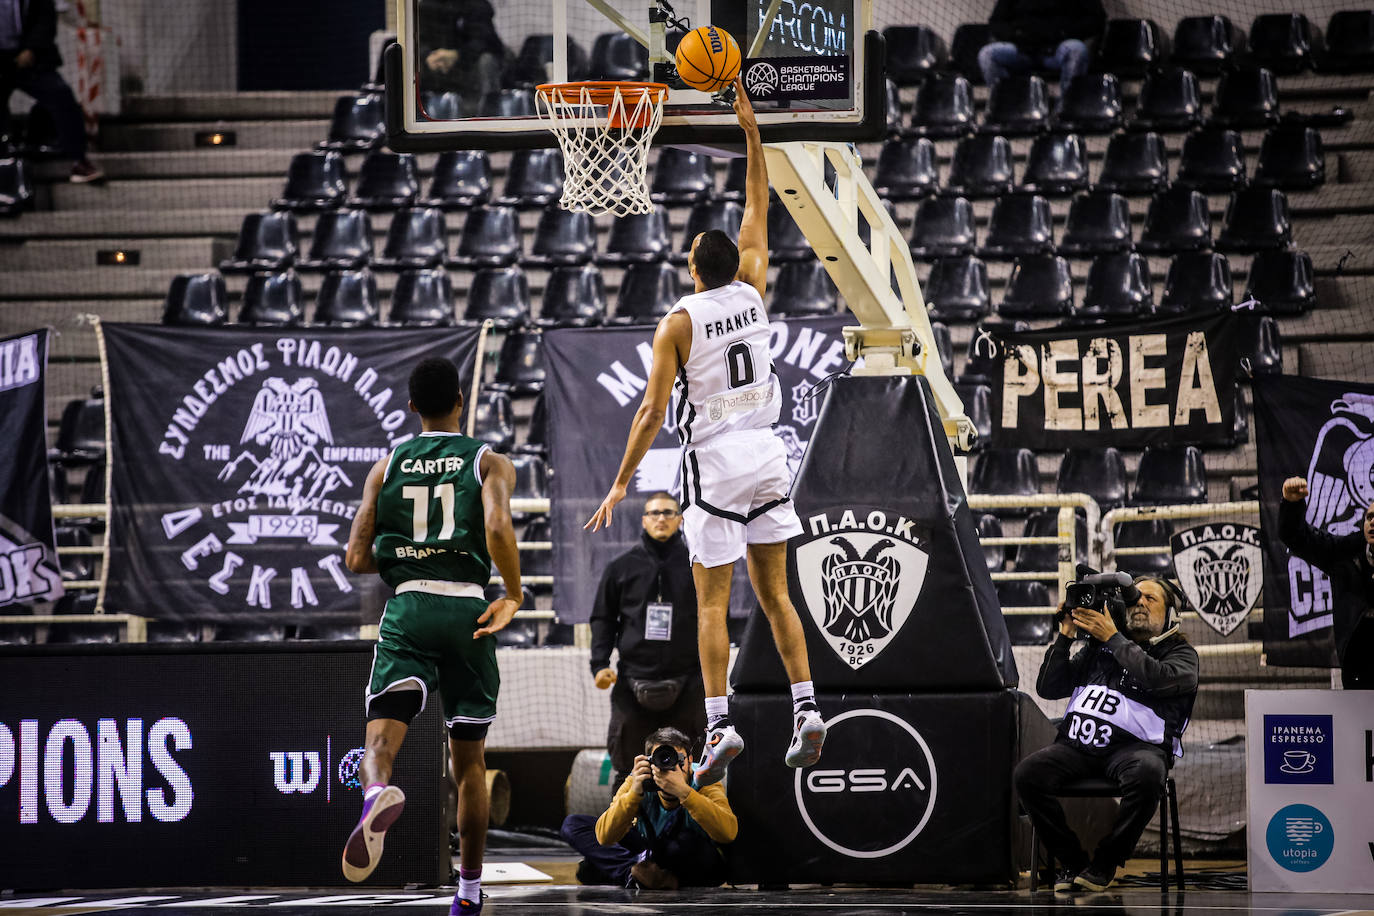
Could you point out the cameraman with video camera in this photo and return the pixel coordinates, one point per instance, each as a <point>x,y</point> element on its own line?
<point>1131,688</point>
<point>660,832</point>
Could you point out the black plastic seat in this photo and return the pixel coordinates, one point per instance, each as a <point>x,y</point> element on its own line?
<point>1043,523</point>
<point>786,241</point>
<point>1020,225</point>
<point>977,400</point>
<point>1178,220</point>
<point>913,52</point>
<point>196,300</point>
<point>1040,286</point>
<point>1291,157</point>
<point>637,238</point>
<point>980,359</point>
<point>1261,347</point>
<point>563,237</point>
<point>1027,629</point>
<point>533,61</point>
<point>16,191</point>
<point>386,181</point>
<point>1098,472</point>
<point>1212,161</point>
<point>417,237</point>
<point>422,299</point>
<point>1281,281</point>
<point>574,297</point>
<point>1017,106</point>
<point>17,634</point>
<point>981,167</point>
<point>81,432</point>
<point>957,289</point>
<point>990,526</point>
<point>1118,287</point>
<point>724,215</point>
<point>1349,42</point>
<point>359,123</point>
<point>267,241</point>
<point>507,103</point>
<point>537,562</point>
<point>1170,474</point>
<point>537,433</point>
<point>735,175</point>
<point>491,238</point>
<point>501,294</point>
<point>1197,281</point>
<point>617,56</point>
<point>1283,42</point>
<point>944,346</point>
<point>1090,104</point>
<point>520,365</point>
<point>533,179</point>
<point>944,107</point>
<point>906,169</point>
<point>1135,163</point>
<point>1057,165</point>
<point>803,288</point>
<point>681,177</point>
<point>1152,533</point>
<point>250,632</point>
<point>462,179</point>
<point>1246,99</point>
<point>273,301</point>
<point>494,420</point>
<point>1169,101</point>
<point>1205,44</point>
<point>314,181</point>
<point>1256,218</point>
<point>1099,222</point>
<point>647,293</point>
<point>348,299</point>
<point>892,107</point>
<point>342,240</point>
<point>969,38</point>
<point>1130,47</point>
<point>943,228</point>
<point>1005,472</point>
<point>441,106</point>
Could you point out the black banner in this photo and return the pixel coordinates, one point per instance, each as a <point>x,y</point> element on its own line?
<point>1322,430</point>
<point>239,459</point>
<point>1127,385</point>
<point>596,379</point>
<point>29,572</point>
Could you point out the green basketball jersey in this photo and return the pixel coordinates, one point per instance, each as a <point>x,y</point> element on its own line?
<point>430,523</point>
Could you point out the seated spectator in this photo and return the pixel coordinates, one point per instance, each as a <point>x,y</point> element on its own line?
<point>1040,34</point>
<point>460,50</point>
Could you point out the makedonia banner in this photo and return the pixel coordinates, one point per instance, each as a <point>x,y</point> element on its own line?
<point>240,457</point>
<point>1127,385</point>
<point>28,563</point>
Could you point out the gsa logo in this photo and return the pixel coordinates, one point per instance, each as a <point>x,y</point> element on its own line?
<point>1300,838</point>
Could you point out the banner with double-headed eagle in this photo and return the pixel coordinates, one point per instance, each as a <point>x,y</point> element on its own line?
<point>239,459</point>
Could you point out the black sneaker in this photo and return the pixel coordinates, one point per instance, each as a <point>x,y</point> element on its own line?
<point>1096,877</point>
<point>1063,880</point>
<point>85,172</point>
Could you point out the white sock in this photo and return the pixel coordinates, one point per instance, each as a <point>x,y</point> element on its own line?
<point>717,708</point>
<point>470,889</point>
<point>803,695</point>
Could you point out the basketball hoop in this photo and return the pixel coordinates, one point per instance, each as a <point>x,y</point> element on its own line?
<point>604,129</point>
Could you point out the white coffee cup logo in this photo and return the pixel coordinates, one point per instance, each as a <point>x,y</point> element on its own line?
<point>1297,761</point>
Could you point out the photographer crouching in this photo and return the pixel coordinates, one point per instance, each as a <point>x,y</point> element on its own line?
<point>1131,688</point>
<point>660,832</point>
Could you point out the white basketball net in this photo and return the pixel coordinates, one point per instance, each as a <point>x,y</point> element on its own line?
<point>605,167</point>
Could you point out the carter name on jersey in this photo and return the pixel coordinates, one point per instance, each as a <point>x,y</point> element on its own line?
<point>735,322</point>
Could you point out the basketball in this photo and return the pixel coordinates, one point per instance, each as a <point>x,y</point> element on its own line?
<point>708,58</point>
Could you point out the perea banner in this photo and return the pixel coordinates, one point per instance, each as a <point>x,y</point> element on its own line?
<point>29,572</point>
<point>239,459</point>
<point>1127,385</point>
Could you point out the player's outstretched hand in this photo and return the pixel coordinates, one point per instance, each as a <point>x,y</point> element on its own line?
<point>602,517</point>
<point>496,616</point>
<point>743,109</point>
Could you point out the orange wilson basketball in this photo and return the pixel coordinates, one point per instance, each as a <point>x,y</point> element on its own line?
<point>708,58</point>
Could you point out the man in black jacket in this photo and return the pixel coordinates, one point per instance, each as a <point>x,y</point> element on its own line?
<point>28,62</point>
<point>646,606</point>
<point>1040,34</point>
<point>1349,561</point>
<point>460,49</point>
<point>1130,698</point>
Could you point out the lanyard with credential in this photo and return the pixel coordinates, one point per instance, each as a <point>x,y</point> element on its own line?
<point>658,616</point>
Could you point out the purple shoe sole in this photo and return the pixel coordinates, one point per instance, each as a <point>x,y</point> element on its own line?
<point>363,851</point>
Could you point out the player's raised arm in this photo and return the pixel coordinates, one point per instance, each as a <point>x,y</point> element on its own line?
<point>359,557</point>
<point>753,230</point>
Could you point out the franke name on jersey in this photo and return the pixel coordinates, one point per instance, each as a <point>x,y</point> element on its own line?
<point>449,464</point>
<point>735,322</point>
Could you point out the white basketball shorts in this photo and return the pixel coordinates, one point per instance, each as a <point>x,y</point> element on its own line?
<point>735,493</point>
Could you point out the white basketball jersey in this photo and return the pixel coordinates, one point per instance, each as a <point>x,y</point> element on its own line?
<point>728,382</point>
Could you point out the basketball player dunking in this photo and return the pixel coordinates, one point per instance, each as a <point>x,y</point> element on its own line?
<point>715,345</point>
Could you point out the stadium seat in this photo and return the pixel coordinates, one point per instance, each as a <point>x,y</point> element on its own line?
<point>892,106</point>
<point>491,238</point>
<point>968,40</point>
<point>1056,166</point>
<point>1020,225</point>
<point>537,562</point>
<point>531,481</point>
<point>533,63</point>
<point>1256,218</point>
<point>348,299</point>
<point>1099,223</point>
<point>980,361</point>
<point>1169,101</point>
<point>84,634</point>
<point>735,172</point>
<point>327,632</point>
<point>422,299</point>
<point>562,238</point>
<point>957,289</point>
<point>250,632</point>
<point>1098,472</point>
<point>267,241</point>
<point>1040,286</point>
<point>1261,346</point>
<point>647,293</point>
<point>417,237</point>
<point>507,103</point>
<point>1281,282</point>
<point>1205,44</point>
<point>682,177</point>
<point>359,123</point>
<point>493,420</point>
<point>462,179</point>
<point>1026,629</point>
<point>786,242</point>
<point>17,634</point>
<point>1283,42</point>
<point>710,214</point>
<point>1170,474</point>
<point>81,432</point>
<point>981,167</point>
<point>1291,157</point>
<point>441,106</point>
<point>990,526</point>
<point>1197,281</point>
<point>574,297</point>
<point>1155,533</point>
<point>1212,161</point>
<point>1130,47</point>
<point>1118,287</point>
<point>913,53</point>
<point>16,191</point>
<point>944,346</point>
<point>638,238</point>
<point>1135,163</point>
<point>944,107</point>
<point>1246,99</point>
<point>1091,104</point>
<point>906,169</point>
<point>977,400</point>
<point>1017,106</point>
<point>1349,42</point>
<point>534,178</point>
<point>273,301</point>
<point>386,181</point>
<point>314,181</point>
<point>803,288</point>
<point>501,294</point>
<point>1177,220</point>
<point>1005,472</point>
<point>342,240</point>
<point>1045,557</point>
<point>537,432</point>
<point>617,56</point>
<point>943,228</point>
<point>196,300</point>
<point>520,364</point>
